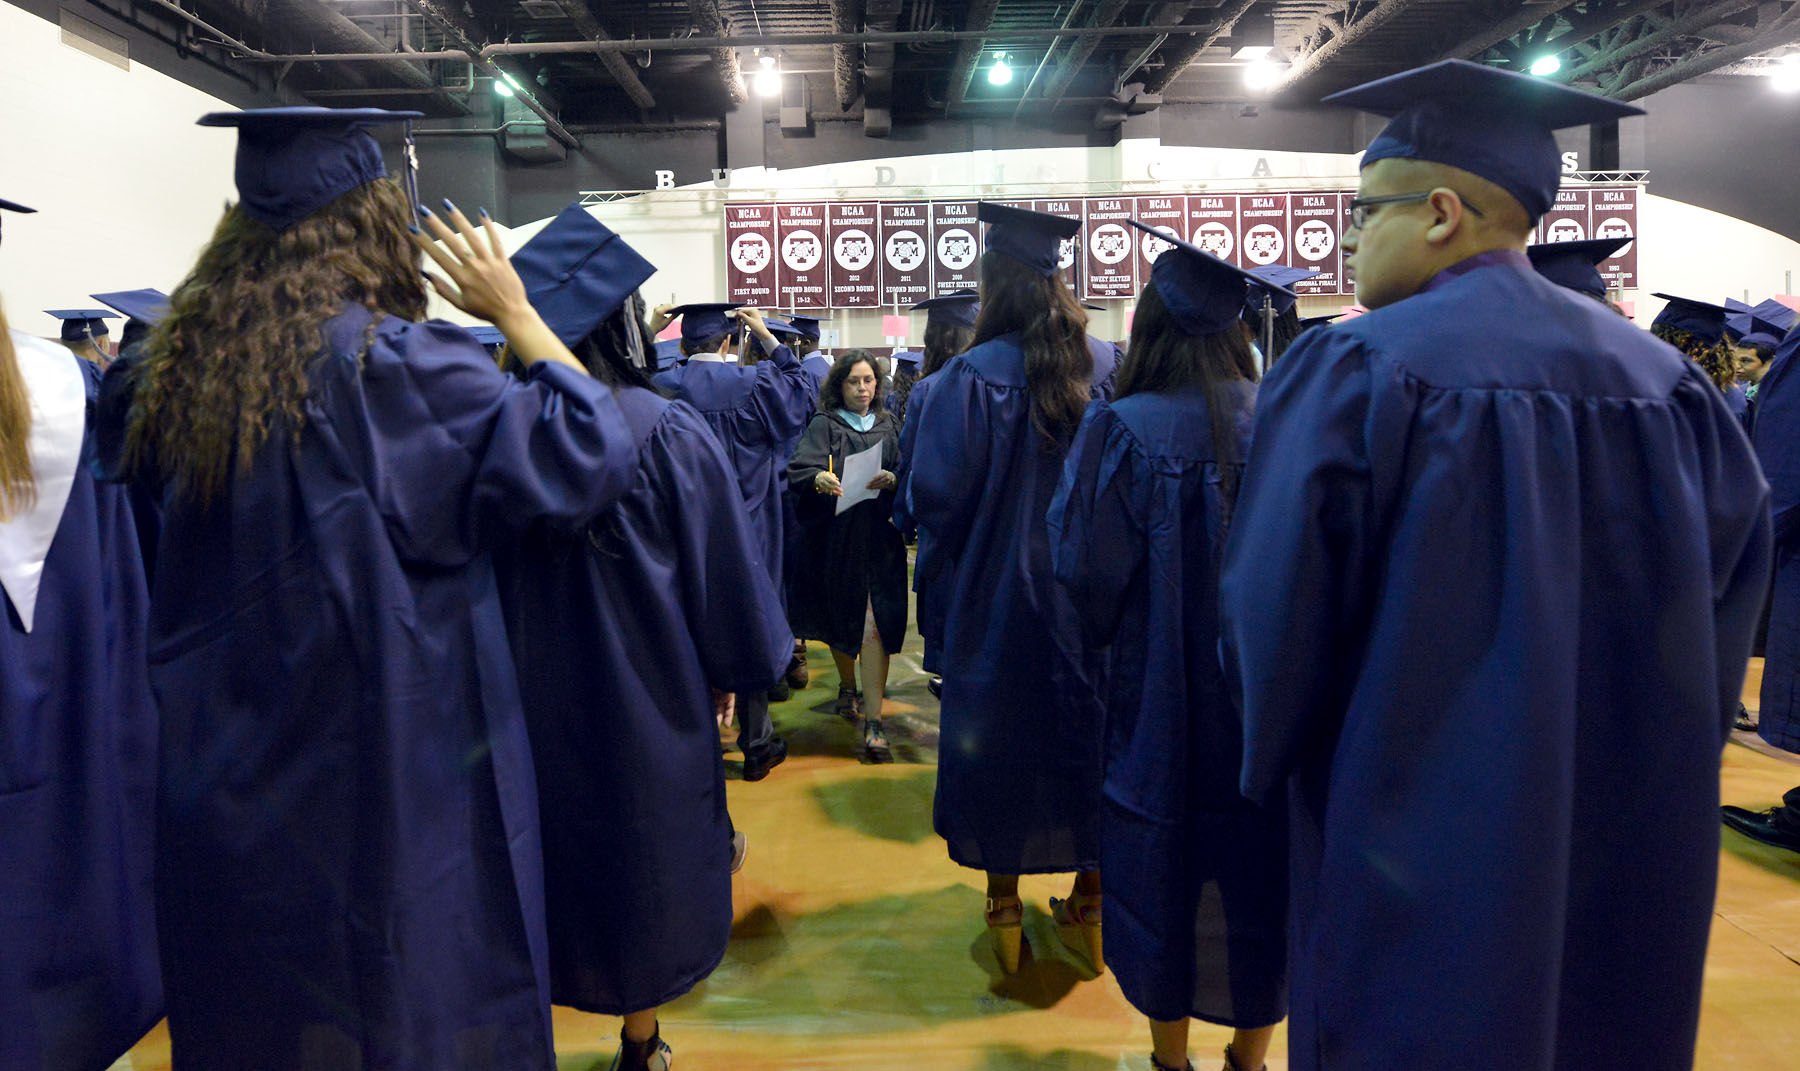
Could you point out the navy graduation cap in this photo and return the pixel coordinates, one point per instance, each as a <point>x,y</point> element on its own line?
<point>1318,321</point>
<point>668,353</point>
<point>1737,319</point>
<point>577,272</point>
<point>489,336</point>
<point>909,357</point>
<point>1204,294</point>
<point>1032,238</point>
<point>79,324</point>
<point>779,326</point>
<point>706,320</point>
<point>291,162</point>
<point>958,309</point>
<point>14,206</point>
<point>1486,121</point>
<point>1702,319</point>
<point>1778,314</point>
<point>144,306</point>
<point>1575,265</point>
<point>1281,276</point>
<point>805,326</point>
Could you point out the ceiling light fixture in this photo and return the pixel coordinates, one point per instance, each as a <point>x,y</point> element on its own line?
<point>1001,72</point>
<point>1260,74</point>
<point>1544,66</point>
<point>768,76</point>
<point>1784,74</point>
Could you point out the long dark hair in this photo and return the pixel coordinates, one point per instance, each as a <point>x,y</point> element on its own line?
<point>1287,329</point>
<point>232,355</point>
<point>1052,330</point>
<point>1162,359</point>
<point>942,342</point>
<point>831,393</point>
<point>18,484</point>
<point>606,351</point>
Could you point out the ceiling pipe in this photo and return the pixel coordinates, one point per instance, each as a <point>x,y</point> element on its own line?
<point>1184,54</point>
<point>1313,62</point>
<point>702,44</point>
<point>462,31</point>
<point>576,11</point>
<point>968,53</point>
<point>1079,52</point>
<point>1038,71</point>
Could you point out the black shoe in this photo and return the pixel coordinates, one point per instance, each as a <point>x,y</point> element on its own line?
<point>781,693</point>
<point>652,1055</point>
<point>1744,720</point>
<point>797,676</point>
<point>936,687</point>
<point>1775,827</point>
<point>758,763</point>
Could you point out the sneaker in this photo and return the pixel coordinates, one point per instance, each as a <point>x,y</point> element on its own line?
<point>875,742</point>
<point>652,1055</point>
<point>757,764</point>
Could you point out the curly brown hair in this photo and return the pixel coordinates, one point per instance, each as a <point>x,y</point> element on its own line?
<point>232,354</point>
<point>831,392</point>
<point>18,487</point>
<point>1714,358</point>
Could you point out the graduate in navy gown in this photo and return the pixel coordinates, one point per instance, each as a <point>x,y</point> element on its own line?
<point>1273,311</point>
<point>85,332</point>
<point>1698,329</point>
<point>348,864</point>
<point>757,408</point>
<point>1576,265</point>
<point>1487,602</point>
<point>619,631</point>
<point>141,309</point>
<point>79,981</point>
<point>1019,764</point>
<point>1197,875</point>
<point>1776,429</point>
<point>949,329</point>
<point>793,549</point>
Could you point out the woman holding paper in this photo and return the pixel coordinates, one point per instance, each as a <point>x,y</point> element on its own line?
<point>856,600</point>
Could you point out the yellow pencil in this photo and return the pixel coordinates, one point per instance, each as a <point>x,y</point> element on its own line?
<point>828,466</point>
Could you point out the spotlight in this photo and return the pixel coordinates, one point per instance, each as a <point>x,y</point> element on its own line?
<point>504,84</point>
<point>1000,73</point>
<point>1544,66</point>
<point>768,76</point>
<point>1262,73</point>
<point>1784,74</point>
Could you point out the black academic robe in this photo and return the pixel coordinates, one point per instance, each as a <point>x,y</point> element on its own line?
<point>853,560</point>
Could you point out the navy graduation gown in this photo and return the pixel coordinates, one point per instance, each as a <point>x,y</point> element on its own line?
<point>1196,875</point>
<point>758,412</point>
<point>1019,764</point>
<point>1777,434</point>
<point>929,611</point>
<point>348,864</point>
<point>1487,599</point>
<point>619,631</point>
<point>1106,365</point>
<point>79,981</point>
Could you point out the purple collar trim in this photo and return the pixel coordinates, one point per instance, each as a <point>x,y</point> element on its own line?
<point>1492,258</point>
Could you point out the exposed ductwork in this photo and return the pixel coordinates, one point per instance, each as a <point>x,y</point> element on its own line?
<point>725,57</point>
<point>880,16</point>
<point>576,11</point>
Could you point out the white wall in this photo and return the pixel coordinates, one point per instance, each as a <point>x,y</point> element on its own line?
<point>1708,256</point>
<point>127,188</point>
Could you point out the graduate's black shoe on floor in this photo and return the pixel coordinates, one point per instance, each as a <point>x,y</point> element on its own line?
<point>797,676</point>
<point>652,1055</point>
<point>1231,1063</point>
<point>758,763</point>
<point>1778,827</point>
<point>781,693</point>
<point>936,687</point>
<point>1744,720</point>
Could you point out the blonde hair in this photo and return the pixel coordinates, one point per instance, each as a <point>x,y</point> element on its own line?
<point>18,488</point>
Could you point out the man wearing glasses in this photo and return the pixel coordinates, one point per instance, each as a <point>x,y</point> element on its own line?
<point>1487,603</point>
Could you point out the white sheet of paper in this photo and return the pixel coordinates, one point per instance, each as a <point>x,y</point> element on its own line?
<point>859,469</point>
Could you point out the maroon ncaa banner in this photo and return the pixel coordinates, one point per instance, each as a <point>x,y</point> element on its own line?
<point>1167,214</point>
<point>1313,240</point>
<point>1568,218</point>
<point>1070,259</point>
<point>1213,224</point>
<point>955,247</point>
<point>1613,210</point>
<point>851,228</point>
<point>1263,219</point>
<point>750,253</point>
<point>905,252</point>
<point>801,273</point>
<point>1111,251</point>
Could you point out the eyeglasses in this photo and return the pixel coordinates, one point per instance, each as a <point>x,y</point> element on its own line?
<point>1359,206</point>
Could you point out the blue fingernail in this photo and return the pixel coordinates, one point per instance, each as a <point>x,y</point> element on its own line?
<point>423,211</point>
<point>483,212</point>
<point>448,207</point>
<point>413,227</point>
